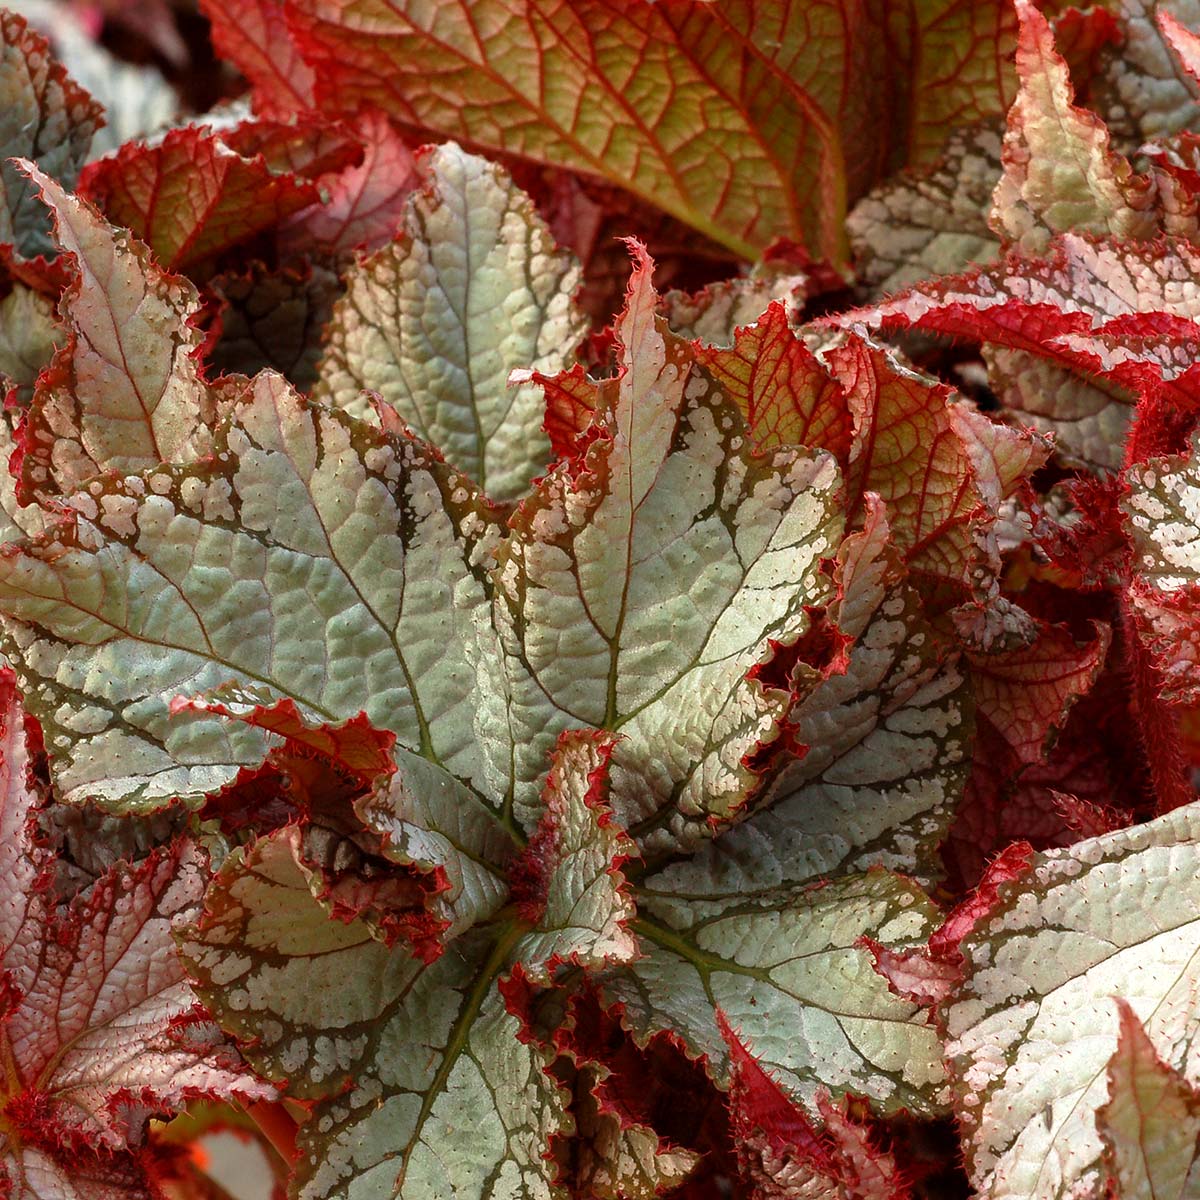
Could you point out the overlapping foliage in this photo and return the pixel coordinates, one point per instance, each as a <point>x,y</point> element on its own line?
<point>518,728</point>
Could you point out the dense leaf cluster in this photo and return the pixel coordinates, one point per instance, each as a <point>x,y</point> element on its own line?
<point>602,601</point>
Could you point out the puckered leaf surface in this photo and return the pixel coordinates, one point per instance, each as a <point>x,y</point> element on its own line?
<point>1033,1025</point>
<point>424,1081</point>
<point>929,220</point>
<point>48,119</point>
<point>748,122</point>
<point>1151,1123</point>
<point>1162,510</point>
<point>1124,311</point>
<point>366,202</point>
<point>1060,172</point>
<point>643,578</point>
<point>885,744</point>
<point>99,1026</point>
<point>472,288</point>
<point>310,553</point>
<point>783,965</point>
<point>28,333</point>
<point>192,195</point>
<point>124,392</point>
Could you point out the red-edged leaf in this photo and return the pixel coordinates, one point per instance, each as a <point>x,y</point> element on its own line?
<point>1151,1124</point>
<point>1182,40</point>
<point>124,392</point>
<point>254,36</point>
<point>100,1028</point>
<point>365,202</point>
<point>781,1154</point>
<point>1060,172</point>
<point>786,395</point>
<point>191,196</point>
<point>320,769</point>
<point>1123,311</point>
<point>748,122</point>
<point>567,882</point>
<point>49,120</point>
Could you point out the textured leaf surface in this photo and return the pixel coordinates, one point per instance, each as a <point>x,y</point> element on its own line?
<point>1078,304</point>
<point>786,396</point>
<point>366,202</point>
<point>47,119</point>
<point>569,873</point>
<point>99,1028</point>
<point>1088,417</point>
<point>886,744</point>
<point>124,392</point>
<point>28,333</point>
<point>784,967</point>
<point>1033,1026</point>
<point>1060,172</point>
<point>1162,509</point>
<point>191,196</point>
<point>642,581</point>
<point>715,114</point>
<point>444,1097</point>
<point>253,35</point>
<point>360,557</point>
<point>1151,1123</point>
<point>472,289</point>
<point>929,220</point>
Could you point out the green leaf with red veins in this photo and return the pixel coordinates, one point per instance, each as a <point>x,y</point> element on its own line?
<point>48,119</point>
<point>124,392</point>
<point>472,289</point>
<point>784,966</point>
<point>888,743</point>
<point>929,220</point>
<point>921,453</point>
<point>786,396</point>
<point>99,1029</point>
<point>568,879</point>
<point>642,582</point>
<point>1162,513</point>
<point>1060,172</point>
<point>1151,1123</point>
<point>422,1080</point>
<point>191,196</point>
<point>748,121</point>
<point>1034,1024</point>
<point>311,554</point>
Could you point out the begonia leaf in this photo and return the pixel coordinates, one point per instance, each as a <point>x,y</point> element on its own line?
<point>435,322</point>
<point>1039,972</point>
<point>1060,173</point>
<point>48,119</point>
<point>124,392</point>
<point>1151,1123</point>
<point>173,562</point>
<point>100,1028</point>
<point>779,960</point>
<point>191,196</point>
<point>666,489</point>
<point>761,98</point>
